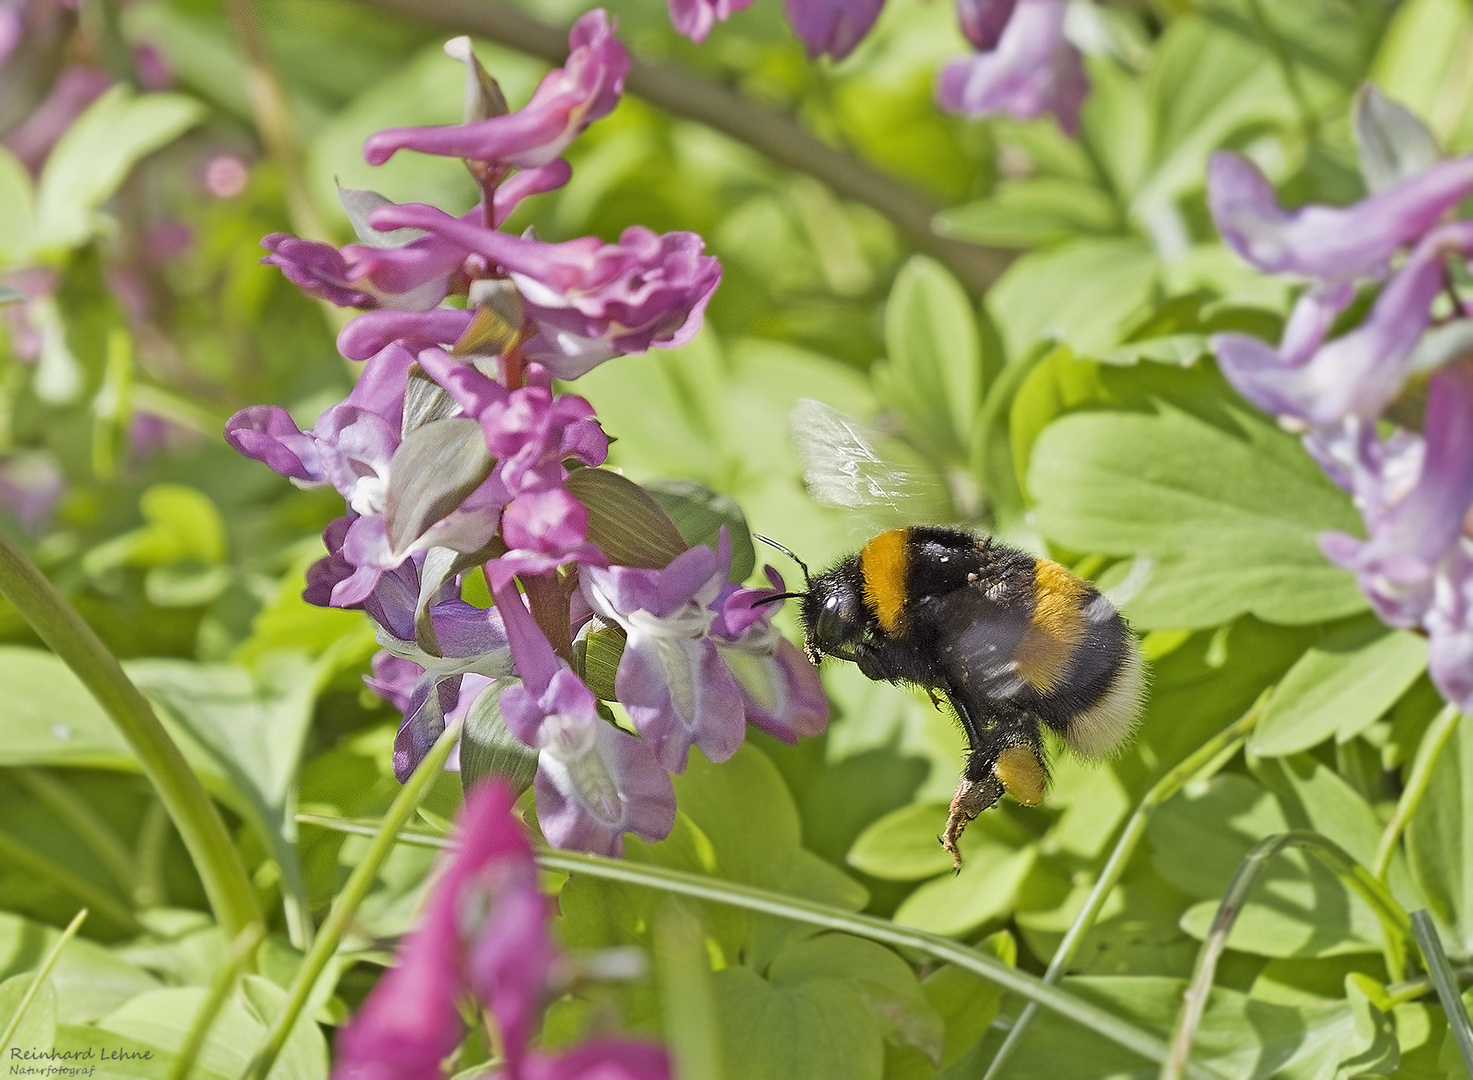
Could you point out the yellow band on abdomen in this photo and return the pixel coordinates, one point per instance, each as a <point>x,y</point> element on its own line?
<point>882,565</point>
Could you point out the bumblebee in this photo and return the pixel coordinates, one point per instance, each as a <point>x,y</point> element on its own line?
<point>1009,639</point>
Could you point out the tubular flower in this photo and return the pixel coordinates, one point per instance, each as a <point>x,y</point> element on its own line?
<point>482,937</point>
<point>1414,490</point>
<point>832,27</point>
<point>694,18</point>
<point>1032,69</point>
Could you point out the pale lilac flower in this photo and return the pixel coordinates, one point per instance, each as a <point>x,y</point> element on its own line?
<point>1033,70</point>
<point>1330,243</point>
<point>594,782</point>
<point>983,21</point>
<point>1359,373</point>
<point>671,678</point>
<point>780,688</point>
<point>568,99</point>
<point>694,18</point>
<point>74,89</point>
<point>1450,626</point>
<point>31,484</point>
<point>832,27</point>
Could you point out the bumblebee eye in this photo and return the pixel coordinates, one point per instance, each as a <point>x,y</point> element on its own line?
<point>832,618</point>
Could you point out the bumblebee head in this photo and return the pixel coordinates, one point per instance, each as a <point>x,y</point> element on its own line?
<point>834,613</point>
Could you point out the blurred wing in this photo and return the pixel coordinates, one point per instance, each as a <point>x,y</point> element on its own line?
<point>853,466</point>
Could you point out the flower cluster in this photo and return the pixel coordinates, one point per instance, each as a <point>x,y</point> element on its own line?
<point>454,452</point>
<point>1414,488</point>
<point>482,936</point>
<point>1024,66</point>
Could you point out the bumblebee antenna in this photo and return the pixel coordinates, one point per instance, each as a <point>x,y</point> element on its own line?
<point>807,577</point>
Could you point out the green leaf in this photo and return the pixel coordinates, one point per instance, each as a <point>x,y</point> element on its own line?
<point>1106,283</point>
<point>699,513</point>
<point>1394,144</point>
<point>1340,687</point>
<point>795,1031</point>
<point>183,526</point>
<point>1439,841</point>
<point>35,1030</point>
<point>1181,350</point>
<point>934,374</point>
<point>488,748</point>
<point>88,979</point>
<point>18,222</point>
<point>624,521</point>
<point>1416,56</point>
<point>602,651</point>
<point>51,719</point>
<point>902,846</point>
<point>94,156</point>
<point>1222,515</point>
<point>886,984</point>
<point>968,1004</point>
<point>1028,213</point>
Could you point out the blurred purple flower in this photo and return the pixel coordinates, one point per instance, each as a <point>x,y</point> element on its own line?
<point>694,18</point>
<point>482,931</point>
<point>780,688</point>
<point>594,782</point>
<point>567,100</point>
<point>671,678</point>
<point>74,89</point>
<point>31,484</point>
<point>983,21</point>
<point>832,27</point>
<point>1033,70</point>
<point>1331,243</point>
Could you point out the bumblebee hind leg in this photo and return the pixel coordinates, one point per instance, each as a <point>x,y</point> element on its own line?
<point>1006,755</point>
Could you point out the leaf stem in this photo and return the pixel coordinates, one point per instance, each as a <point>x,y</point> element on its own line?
<point>79,816</point>
<point>795,909</point>
<point>1428,751</point>
<point>22,857</point>
<point>1435,960</point>
<point>1396,927</point>
<point>1201,764</point>
<point>774,134</point>
<point>231,896</point>
<point>330,934</point>
<point>41,973</point>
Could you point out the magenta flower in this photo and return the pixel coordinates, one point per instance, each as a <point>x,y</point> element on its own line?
<point>594,782</point>
<point>983,21</point>
<point>1331,243</point>
<point>694,18</point>
<point>1033,70</point>
<point>832,27</point>
<point>318,269</point>
<point>671,678</point>
<point>568,99</point>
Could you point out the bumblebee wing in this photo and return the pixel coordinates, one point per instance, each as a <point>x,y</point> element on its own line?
<point>853,466</point>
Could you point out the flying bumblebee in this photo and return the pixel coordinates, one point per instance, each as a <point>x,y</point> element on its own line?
<point>1011,640</point>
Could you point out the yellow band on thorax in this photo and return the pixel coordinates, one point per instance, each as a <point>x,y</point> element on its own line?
<point>882,565</point>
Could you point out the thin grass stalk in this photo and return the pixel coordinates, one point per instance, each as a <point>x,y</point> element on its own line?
<point>22,857</point>
<point>1396,927</point>
<point>1201,764</point>
<point>41,973</point>
<point>1441,973</point>
<point>330,934</point>
<point>1428,751</point>
<point>211,847</point>
<point>240,953</point>
<point>79,816</point>
<point>732,894</point>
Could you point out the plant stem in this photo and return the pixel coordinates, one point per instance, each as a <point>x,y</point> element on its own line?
<point>1428,751</point>
<point>273,117</point>
<point>776,135</point>
<point>231,896</point>
<point>41,972</point>
<point>733,894</point>
<point>240,952</point>
<point>1202,763</point>
<point>1396,927</point>
<point>330,934</point>
<point>1435,961</point>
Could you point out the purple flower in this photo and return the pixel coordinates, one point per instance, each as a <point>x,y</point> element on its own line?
<point>1450,626</point>
<point>671,678</point>
<point>1357,374</point>
<point>484,930</point>
<point>832,27</point>
<point>318,269</point>
<point>567,100</point>
<point>591,300</point>
<point>1331,243</point>
<point>1033,70</point>
<point>31,484</point>
<point>780,688</point>
<point>74,89</point>
<point>694,18</point>
<point>983,21</point>
<point>594,782</point>
<point>604,1059</point>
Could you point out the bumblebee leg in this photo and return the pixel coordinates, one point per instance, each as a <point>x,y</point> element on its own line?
<point>1006,756</point>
